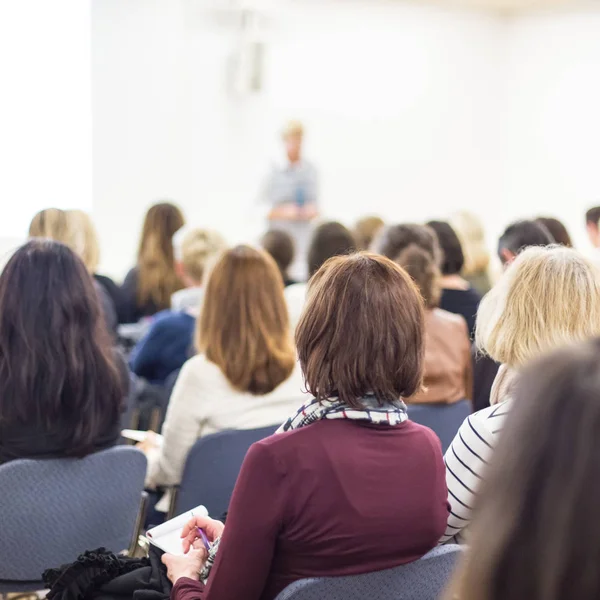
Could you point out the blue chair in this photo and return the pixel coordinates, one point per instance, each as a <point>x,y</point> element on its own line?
<point>211,470</point>
<point>53,510</point>
<point>444,419</point>
<point>424,579</point>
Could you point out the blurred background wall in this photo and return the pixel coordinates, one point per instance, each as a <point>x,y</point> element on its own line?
<point>412,110</point>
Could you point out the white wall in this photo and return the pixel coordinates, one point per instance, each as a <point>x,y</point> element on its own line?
<point>397,100</point>
<point>45,110</point>
<point>553,124</point>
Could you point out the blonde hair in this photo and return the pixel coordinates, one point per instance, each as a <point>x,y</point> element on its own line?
<point>52,224</point>
<point>244,327</point>
<point>293,128</point>
<point>158,280</point>
<point>366,229</point>
<point>471,235</point>
<point>549,297</point>
<point>195,249</point>
<point>84,238</point>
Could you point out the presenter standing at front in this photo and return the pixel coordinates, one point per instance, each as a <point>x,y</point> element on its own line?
<point>291,192</point>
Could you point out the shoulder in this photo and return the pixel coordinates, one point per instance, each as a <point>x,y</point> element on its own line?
<point>484,425</point>
<point>200,370</point>
<point>453,320</point>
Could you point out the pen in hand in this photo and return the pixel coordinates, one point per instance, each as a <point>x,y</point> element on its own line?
<point>203,538</point>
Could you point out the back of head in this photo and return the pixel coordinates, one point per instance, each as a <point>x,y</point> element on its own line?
<point>280,245</point>
<point>471,234</point>
<point>244,327</point>
<point>521,235</point>
<point>56,361</point>
<point>362,331</point>
<point>157,277</point>
<point>328,240</point>
<point>535,532</point>
<point>547,298</point>
<point>52,224</point>
<point>419,264</point>
<point>592,216</point>
<point>196,249</point>
<point>557,230</point>
<point>453,258</point>
<point>393,240</point>
<point>365,231</point>
<point>85,238</point>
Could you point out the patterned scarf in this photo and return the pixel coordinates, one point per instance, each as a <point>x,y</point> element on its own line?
<point>390,414</point>
<point>316,410</point>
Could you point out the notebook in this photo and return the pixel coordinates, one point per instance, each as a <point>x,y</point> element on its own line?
<point>167,536</point>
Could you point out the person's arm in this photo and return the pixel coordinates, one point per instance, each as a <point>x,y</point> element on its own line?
<point>248,543</point>
<point>466,460</point>
<point>181,429</point>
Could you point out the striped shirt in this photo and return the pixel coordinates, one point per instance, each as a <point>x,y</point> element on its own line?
<point>466,460</point>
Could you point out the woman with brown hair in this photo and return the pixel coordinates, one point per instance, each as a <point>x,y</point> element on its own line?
<point>245,374</point>
<point>535,533</point>
<point>348,485</point>
<point>448,365</point>
<point>149,286</point>
<point>62,386</point>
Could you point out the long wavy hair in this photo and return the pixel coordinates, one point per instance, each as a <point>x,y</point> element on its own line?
<point>244,326</point>
<point>158,279</point>
<point>57,366</point>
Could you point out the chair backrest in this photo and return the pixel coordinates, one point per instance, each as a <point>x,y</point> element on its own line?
<point>424,579</point>
<point>53,510</point>
<point>444,419</point>
<point>212,467</point>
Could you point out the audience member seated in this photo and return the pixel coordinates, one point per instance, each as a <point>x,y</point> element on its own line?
<point>548,298</point>
<point>521,235</point>
<point>534,534</point>
<point>457,294</point>
<point>65,227</point>
<point>592,223</point>
<point>280,245</point>
<point>447,365</point>
<point>328,240</point>
<point>148,287</point>
<point>168,343</point>
<point>88,249</point>
<point>365,231</point>
<point>245,375</point>
<point>62,387</point>
<point>348,485</point>
<point>476,266</point>
<point>557,230</point>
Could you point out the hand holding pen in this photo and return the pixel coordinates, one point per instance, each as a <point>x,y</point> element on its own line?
<point>200,533</point>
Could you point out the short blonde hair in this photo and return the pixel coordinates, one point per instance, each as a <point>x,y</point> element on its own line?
<point>196,249</point>
<point>293,128</point>
<point>470,232</point>
<point>549,297</point>
<point>84,238</point>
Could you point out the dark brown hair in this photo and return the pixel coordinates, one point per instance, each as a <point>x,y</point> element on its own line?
<point>57,367</point>
<point>393,240</point>
<point>593,215</point>
<point>419,264</point>
<point>557,229</point>
<point>453,259</point>
<point>535,530</point>
<point>158,280</point>
<point>329,239</point>
<point>280,245</point>
<point>244,326</point>
<point>361,331</point>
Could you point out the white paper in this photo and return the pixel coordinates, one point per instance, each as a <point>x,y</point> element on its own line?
<point>167,536</point>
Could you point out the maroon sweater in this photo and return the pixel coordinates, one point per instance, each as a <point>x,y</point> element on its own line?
<point>333,498</point>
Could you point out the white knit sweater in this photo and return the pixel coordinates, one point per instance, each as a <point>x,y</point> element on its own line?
<point>204,402</point>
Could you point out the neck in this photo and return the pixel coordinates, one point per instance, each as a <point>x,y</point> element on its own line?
<point>454,282</point>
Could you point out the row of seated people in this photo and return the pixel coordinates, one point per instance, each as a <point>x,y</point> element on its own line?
<point>349,343</point>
